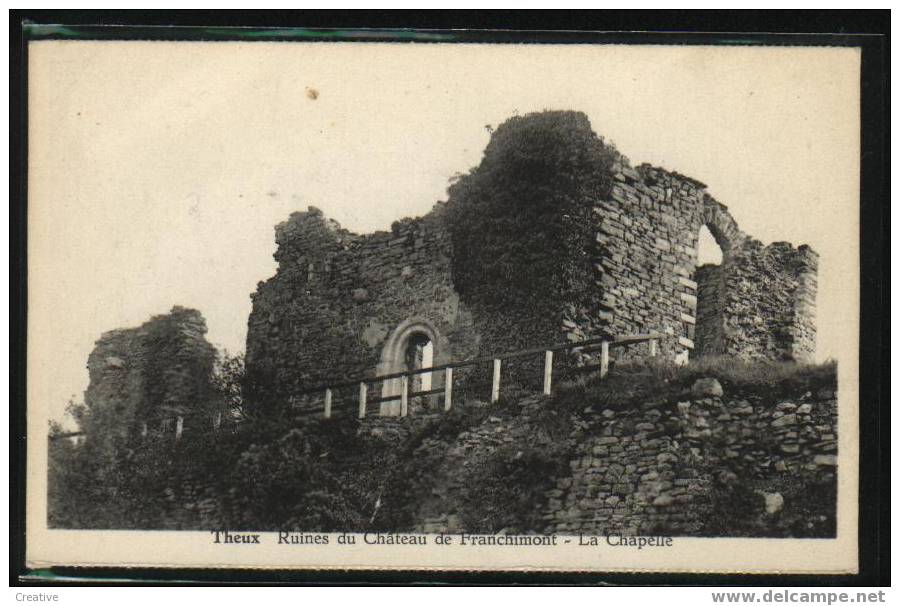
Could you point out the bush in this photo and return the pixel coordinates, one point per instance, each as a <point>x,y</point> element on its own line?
<point>506,490</point>
<point>736,508</point>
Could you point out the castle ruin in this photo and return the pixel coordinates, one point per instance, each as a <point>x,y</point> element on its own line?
<point>553,238</point>
<point>152,378</point>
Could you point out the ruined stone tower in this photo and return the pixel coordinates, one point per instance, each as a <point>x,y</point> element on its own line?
<point>144,378</point>
<point>554,237</point>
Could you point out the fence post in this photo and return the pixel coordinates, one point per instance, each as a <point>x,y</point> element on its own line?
<point>328,403</point>
<point>604,358</point>
<point>448,388</point>
<point>495,386</point>
<point>362,400</point>
<point>404,395</point>
<point>179,427</point>
<point>652,348</point>
<point>548,372</point>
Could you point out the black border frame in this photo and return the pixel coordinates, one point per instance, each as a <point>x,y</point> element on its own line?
<point>867,30</point>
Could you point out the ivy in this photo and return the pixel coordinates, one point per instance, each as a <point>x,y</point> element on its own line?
<point>520,222</point>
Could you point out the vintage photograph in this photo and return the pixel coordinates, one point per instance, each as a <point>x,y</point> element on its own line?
<point>557,307</point>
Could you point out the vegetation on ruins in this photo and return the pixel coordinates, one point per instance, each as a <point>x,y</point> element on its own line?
<point>518,220</point>
<point>342,474</point>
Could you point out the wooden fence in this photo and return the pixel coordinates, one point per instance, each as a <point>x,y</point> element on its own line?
<point>327,405</point>
<point>604,345</point>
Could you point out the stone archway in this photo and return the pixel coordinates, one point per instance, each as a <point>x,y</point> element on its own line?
<point>707,333</point>
<point>721,225</point>
<point>415,343</point>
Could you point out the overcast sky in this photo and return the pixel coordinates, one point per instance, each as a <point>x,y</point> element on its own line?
<point>157,171</point>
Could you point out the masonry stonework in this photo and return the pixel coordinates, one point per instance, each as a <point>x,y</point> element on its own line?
<point>709,337</point>
<point>343,305</point>
<point>143,378</point>
<point>650,468</point>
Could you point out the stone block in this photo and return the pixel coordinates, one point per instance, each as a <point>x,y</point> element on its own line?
<point>825,460</point>
<point>663,500</point>
<point>687,282</point>
<point>785,420</point>
<point>666,457</point>
<point>774,502</point>
<point>707,387</point>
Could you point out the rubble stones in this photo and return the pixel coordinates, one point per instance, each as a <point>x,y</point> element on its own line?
<point>656,482</point>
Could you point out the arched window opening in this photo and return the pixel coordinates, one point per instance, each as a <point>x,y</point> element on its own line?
<point>419,354</point>
<point>708,250</point>
<point>411,346</point>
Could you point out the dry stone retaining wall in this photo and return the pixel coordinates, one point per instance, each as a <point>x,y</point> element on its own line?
<point>648,468</point>
<point>638,471</point>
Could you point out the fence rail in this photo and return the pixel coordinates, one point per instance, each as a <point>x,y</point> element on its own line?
<point>328,404</point>
<point>604,345</point>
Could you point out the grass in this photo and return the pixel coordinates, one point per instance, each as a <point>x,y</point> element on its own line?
<point>637,383</point>
<point>766,379</point>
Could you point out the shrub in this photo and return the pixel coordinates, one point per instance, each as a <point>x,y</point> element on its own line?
<point>766,379</point>
<point>736,508</point>
<point>506,490</point>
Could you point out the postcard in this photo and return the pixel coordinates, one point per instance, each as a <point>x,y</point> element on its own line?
<point>482,307</point>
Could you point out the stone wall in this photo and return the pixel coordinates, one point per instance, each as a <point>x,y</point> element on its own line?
<point>709,337</point>
<point>646,253</point>
<point>760,303</point>
<point>646,470</point>
<point>769,301</point>
<point>149,375</point>
<point>340,301</point>
<point>443,510</point>
<point>649,468</point>
<point>342,305</point>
